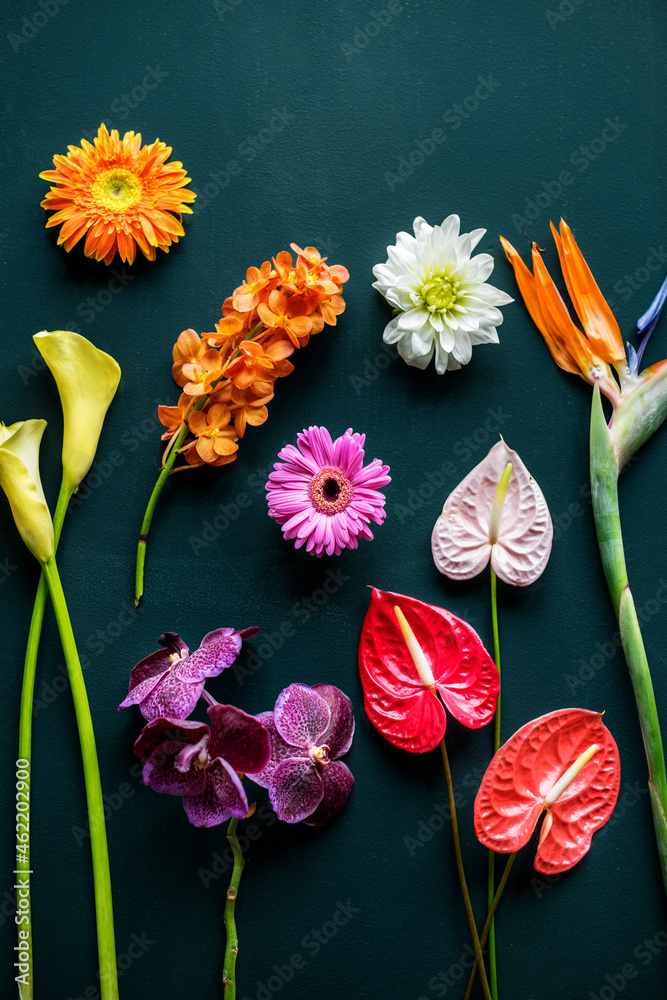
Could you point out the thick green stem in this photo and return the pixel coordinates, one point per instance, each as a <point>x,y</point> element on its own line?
<point>25,739</point>
<point>462,878</point>
<point>232,945</point>
<point>152,503</point>
<point>491,881</point>
<point>486,930</point>
<point>604,492</point>
<point>98,838</point>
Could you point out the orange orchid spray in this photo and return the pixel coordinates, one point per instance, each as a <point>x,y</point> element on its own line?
<point>228,377</point>
<point>639,406</point>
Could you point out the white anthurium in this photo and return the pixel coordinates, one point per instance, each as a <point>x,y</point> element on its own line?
<point>21,482</point>
<point>446,305</point>
<point>87,380</point>
<point>497,513</point>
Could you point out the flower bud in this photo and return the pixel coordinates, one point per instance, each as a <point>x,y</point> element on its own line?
<point>19,478</point>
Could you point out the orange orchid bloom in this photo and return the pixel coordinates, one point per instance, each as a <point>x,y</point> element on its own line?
<point>225,328</point>
<point>188,349</point>
<point>259,282</point>
<point>288,314</point>
<point>173,417</point>
<point>245,406</point>
<point>257,366</point>
<point>201,376</point>
<point>589,353</point>
<point>216,441</point>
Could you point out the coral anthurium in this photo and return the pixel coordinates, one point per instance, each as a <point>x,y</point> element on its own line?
<point>514,531</point>
<point>415,659</point>
<point>564,764</point>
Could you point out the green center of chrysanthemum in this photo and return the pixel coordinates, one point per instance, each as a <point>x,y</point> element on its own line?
<point>117,189</point>
<point>440,292</point>
<point>330,491</point>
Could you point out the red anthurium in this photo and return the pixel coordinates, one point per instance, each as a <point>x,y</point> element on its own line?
<point>565,764</point>
<point>413,657</point>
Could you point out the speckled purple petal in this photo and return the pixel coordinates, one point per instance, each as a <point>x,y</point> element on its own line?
<point>218,650</point>
<point>171,697</point>
<point>337,782</point>
<point>239,738</point>
<point>223,796</point>
<point>145,676</point>
<point>338,736</point>
<point>161,774</point>
<point>295,789</point>
<point>301,716</point>
<point>280,751</point>
<point>168,730</point>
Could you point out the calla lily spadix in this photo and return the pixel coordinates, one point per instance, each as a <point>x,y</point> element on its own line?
<point>87,380</point>
<point>639,401</point>
<point>22,485</point>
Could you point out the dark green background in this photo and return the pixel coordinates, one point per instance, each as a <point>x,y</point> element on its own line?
<point>355,107</point>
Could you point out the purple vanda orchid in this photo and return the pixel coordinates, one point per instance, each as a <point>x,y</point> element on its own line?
<point>204,764</point>
<point>310,728</point>
<point>170,682</point>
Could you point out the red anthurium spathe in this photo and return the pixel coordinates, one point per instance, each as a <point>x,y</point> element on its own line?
<point>477,524</point>
<point>565,764</point>
<point>415,659</point>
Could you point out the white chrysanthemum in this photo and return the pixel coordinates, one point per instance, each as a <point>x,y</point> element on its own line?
<point>446,305</point>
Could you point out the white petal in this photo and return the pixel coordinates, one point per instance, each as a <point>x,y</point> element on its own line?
<point>413,319</point>
<point>450,228</point>
<point>417,361</point>
<point>421,228</point>
<point>441,357</point>
<point>447,339</point>
<point>485,263</point>
<point>484,335</point>
<point>391,332</point>
<point>462,349</point>
<point>475,237</point>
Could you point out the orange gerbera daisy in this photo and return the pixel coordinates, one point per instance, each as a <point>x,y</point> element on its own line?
<point>118,195</point>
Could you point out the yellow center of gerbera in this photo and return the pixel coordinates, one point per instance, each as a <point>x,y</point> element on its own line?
<point>117,189</point>
<point>440,293</point>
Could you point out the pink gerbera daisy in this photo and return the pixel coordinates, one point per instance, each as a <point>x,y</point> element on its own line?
<point>323,495</point>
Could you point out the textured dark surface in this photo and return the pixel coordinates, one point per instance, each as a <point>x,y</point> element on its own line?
<point>345,106</point>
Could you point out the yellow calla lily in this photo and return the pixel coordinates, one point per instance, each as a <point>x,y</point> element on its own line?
<point>20,480</point>
<point>87,380</point>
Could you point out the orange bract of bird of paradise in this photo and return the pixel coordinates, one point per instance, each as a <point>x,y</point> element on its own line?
<point>119,195</point>
<point>589,353</point>
<point>228,377</point>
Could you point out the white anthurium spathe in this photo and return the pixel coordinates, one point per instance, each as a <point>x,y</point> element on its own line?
<point>87,380</point>
<point>479,523</point>
<point>446,305</point>
<point>21,482</point>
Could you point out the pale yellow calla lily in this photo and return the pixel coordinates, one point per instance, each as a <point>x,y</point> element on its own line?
<point>87,380</point>
<point>19,478</point>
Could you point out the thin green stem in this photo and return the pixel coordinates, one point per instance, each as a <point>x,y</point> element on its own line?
<point>23,871</point>
<point>491,882</point>
<point>486,930</point>
<point>155,496</point>
<point>461,872</point>
<point>98,838</point>
<point>604,493</point>
<point>232,944</point>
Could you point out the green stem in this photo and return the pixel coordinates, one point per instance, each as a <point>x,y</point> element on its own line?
<point>604,492</point>
<point>155,495</point>
<point>25,736</point>
<point>488,926</point>
<point>462,877</point>
<point>232,945</point>
<point>491,882</point>
<point>98,838</point>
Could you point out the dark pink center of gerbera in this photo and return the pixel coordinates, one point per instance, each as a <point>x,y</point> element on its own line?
<point>330,491</point>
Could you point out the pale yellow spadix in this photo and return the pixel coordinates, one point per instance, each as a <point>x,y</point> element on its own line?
<point>498,504</point>
<point>415,650</point>
<point>570,774</point>
<point>20,480</point>
<point>87,380</point>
